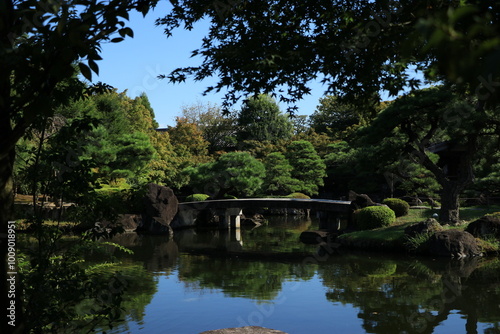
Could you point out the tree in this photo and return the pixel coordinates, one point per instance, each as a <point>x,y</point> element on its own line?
<point>488,175</point>
<point>260,119</point>
<point>333,117</point>
<point>188,140</point>
<point>319,141</point>
<point>341,167</point>
<point>278,178</point>
<point>358,48</point>
<point>411,177</point>
<point>161,169</point>
<point>218,129</point>
<point>300,124</point>
<point>439,120</point>
<point>43,44</point>
<point>140,114</point>
<point>236,173</point>
<point>308,167</point>
<point>120,144</point>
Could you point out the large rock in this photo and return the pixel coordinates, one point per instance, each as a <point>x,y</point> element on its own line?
<point>129,222</point>
<point>430,225</point>
<point>245,330</point>
<point>485,227</point>
<point>453,243</point>
<point>359,201</point>
<point>160,208</point>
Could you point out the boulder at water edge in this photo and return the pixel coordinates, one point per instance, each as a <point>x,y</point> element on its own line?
<point>430,225</point>
<point>453,244</point>
<point>160,207</point>
<point>485,227</point>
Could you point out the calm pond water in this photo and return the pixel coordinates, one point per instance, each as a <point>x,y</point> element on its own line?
<point>191,284</point>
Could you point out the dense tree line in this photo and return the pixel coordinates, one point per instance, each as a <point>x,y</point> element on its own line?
<point>120,147</point>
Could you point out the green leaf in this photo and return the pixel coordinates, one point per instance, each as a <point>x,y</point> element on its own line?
<point>93,66</point>
<point>85,71</point>
<point>126,32</point>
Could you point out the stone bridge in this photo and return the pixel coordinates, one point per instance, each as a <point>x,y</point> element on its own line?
<point>329,211</point>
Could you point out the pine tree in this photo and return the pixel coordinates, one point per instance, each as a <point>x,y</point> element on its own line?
<point>278,178</point>
<point>307,165</point>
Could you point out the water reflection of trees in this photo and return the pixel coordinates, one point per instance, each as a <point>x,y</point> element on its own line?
<point>157,252</point>
<point>411,296</point>
<point>237,278</point>
<point>276,237</point>
<point>259,280</point>
<point>400,295</point>
<point>139,290</point>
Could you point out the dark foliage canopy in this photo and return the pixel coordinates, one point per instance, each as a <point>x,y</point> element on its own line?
<point>356,48</point>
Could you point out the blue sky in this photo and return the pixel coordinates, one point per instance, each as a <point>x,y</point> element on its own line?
<point>134,64</point>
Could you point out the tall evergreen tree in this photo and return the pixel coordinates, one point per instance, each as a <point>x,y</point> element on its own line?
<point>334,117</point>
<point>260,119</point>
<point>307,165</point>
<point>278,180</point>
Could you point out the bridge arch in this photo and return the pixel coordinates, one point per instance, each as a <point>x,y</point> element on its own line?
<point>231,209</point>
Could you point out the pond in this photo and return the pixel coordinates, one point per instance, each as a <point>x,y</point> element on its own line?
<point>203,280</point>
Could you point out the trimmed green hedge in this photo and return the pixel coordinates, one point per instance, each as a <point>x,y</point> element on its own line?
<point>197,197</point>
<point>400,207</point>
<point>298,195</point>
<point>374,217</point>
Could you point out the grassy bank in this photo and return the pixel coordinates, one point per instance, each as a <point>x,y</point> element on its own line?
<point>393,239</point>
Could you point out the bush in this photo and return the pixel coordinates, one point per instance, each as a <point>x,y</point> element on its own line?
<point>400,207</point>
<point>197,197</point>
<point>227,196</point>
<point>298,195</point>
<point>373,217</point>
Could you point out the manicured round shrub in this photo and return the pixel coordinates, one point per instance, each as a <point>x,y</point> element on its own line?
<point>298,195</point>
<point>400,207</point>
<point>373,217</point>
<point>227,196</point>
<point>197,197</point>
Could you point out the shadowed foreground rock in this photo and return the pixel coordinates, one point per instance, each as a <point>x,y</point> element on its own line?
<point>244,330</point>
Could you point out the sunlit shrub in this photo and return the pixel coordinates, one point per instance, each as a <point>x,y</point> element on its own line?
<point>298,195</point>
<point>399,206</point>
<point>373,217</point>
<point>197,197</point>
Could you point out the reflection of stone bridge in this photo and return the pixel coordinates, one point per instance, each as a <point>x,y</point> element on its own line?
<point>230,210</point>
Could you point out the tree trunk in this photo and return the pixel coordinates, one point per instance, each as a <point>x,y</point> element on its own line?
<point>8,137</point>
<point>7,296</point>
<point>450,205</point>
